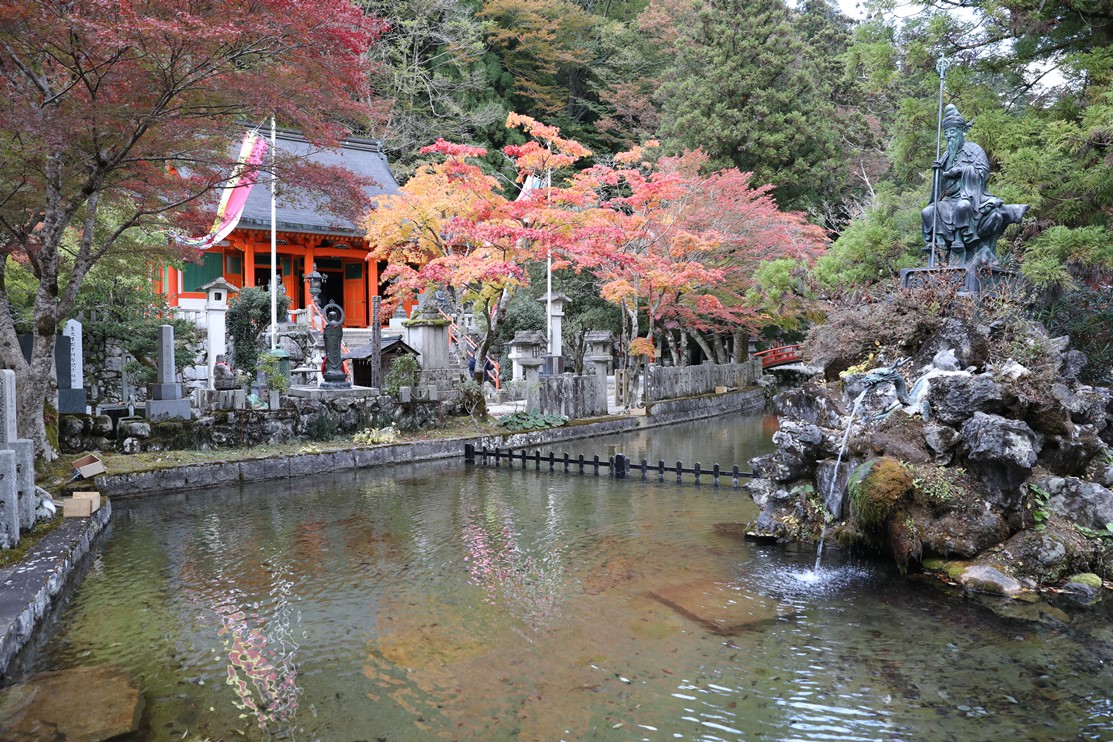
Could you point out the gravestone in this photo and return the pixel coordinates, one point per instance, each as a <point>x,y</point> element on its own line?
<point>164,398</point>
<point>71,394</point>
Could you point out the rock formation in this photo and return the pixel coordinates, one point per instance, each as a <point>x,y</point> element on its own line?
<point>974,448</point>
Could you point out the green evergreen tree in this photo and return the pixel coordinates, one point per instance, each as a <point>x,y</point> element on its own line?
<point>743,88</point>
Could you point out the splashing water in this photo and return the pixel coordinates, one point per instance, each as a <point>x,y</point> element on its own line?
<point>835,478</point>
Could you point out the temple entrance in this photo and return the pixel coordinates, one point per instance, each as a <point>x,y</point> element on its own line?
<point>346,285</point>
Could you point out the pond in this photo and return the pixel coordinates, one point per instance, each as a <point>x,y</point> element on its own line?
<point>445,602</point>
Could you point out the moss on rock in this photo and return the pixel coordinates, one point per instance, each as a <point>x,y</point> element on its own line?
<point>875,488</point>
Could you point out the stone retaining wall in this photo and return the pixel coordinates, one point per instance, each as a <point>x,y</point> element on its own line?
<point>677,382</point>
<point>30,587</point>
<point>575,397</point>
<point>306,464</point>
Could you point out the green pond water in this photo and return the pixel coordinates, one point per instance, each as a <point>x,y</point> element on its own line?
<point>447,602</point>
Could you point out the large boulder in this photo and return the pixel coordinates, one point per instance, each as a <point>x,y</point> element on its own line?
<point>1001,452</point>
<point>964,533</point>
<point>963,340</point>
<point>1088,504</point>
<point>811,403</point>
<point>1070,455</point>
<point>953,399</point>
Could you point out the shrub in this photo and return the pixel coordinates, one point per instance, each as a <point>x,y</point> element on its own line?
<point>531,421</point>
<point>248,315</point>
<point>404,371</point>
<point>371,436</point>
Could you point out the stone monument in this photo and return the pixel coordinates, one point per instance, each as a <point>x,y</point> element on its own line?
<point>164,398</point>
<point>71,396</point>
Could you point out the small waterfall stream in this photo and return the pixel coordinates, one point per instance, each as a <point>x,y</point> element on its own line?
<point>835,477</point>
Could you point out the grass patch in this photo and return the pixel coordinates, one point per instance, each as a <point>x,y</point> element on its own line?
<point>53,475</point>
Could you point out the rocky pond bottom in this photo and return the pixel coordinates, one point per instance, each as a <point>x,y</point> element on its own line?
<point>445,603</point>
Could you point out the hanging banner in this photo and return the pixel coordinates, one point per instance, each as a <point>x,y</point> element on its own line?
<point>235,194</point>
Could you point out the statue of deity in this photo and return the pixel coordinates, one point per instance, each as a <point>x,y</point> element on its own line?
<point>963,218</point>
<point>333,372</point>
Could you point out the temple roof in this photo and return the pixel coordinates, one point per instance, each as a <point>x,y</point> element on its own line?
<point>364,157</point>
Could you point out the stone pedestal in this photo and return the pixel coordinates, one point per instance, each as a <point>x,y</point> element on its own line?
<point>964,279</point>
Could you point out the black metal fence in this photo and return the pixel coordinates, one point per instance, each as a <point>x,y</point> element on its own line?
<point>618,466</point>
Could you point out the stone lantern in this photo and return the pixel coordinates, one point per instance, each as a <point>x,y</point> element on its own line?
<point>217,293</point>
<point>599,344</point>
<point>527,351</point>
<point>315,281</point>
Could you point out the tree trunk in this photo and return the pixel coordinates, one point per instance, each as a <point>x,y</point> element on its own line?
<point>720,349</point>
<point>701,341</point>
<point>674,349</point>
<point>740,352</point>
<point>36,380</point>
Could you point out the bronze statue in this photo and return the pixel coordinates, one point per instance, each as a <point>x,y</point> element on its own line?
<point>963,217</point>
<point>334,373</point>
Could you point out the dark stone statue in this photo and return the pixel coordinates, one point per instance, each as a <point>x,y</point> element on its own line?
<point>964,217</point>
<point>333,372</point>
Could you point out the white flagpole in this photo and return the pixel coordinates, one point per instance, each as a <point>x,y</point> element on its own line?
<point>274,248</point>
<point>549,272</point>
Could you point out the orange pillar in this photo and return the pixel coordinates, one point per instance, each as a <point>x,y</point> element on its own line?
<point>248,264</point>
<point>371,271</point>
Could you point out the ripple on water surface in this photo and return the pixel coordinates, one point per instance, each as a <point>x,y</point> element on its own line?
<point>498,605</point>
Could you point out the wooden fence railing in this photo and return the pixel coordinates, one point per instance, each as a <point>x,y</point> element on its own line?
<point>618,466</point>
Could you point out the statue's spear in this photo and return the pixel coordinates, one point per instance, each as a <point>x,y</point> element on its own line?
<point>936,177</point>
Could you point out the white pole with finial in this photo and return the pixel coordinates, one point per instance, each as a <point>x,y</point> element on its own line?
<point>274,246</point>
<point>936,176</point>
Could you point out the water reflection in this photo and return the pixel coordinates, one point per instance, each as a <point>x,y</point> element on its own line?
<point>436,602</point>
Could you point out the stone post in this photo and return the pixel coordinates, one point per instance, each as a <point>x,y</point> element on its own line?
<point>217,293</point>
<point>21,505</point>
<point>554,319</point>
<point>7,407</point>
<point>526,350</point>
<point>9,504</point>
<point>376,343</point>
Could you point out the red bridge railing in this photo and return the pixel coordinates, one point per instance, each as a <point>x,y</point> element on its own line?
<point>779,356</point>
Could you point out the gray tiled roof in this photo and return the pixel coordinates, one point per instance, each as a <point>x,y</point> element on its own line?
<point>364,157</point>
<point>386,342</point>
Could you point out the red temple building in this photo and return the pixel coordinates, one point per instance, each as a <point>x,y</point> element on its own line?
<point>305,236</point>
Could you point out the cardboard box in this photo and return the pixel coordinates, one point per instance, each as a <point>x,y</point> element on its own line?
<point>720,390</point>
<point>94,496</point>
<point>77,507</point>
<point>81,505</point>
<point>89,466</point>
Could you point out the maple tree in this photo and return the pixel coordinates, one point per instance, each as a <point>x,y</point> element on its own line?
<point>452,227</point>
<point>682,247</point>
<point>659,237</point>
<point>136,108</point>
